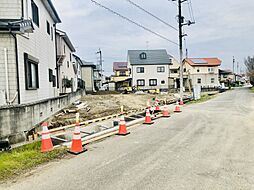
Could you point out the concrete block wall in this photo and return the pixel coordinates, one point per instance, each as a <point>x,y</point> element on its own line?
<point>16,120</point>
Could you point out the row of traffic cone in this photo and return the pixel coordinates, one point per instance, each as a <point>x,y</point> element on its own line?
<point>77,148</point>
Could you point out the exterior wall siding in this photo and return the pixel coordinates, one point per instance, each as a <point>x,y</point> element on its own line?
<point>204,75</point>
<point>7,41</point>
<point>10,9</point>
<point>40,46</point>
<point>87,76</point>
<point>150,72</point>
<point>64,70</point>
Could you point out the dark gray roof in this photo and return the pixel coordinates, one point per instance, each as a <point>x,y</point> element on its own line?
<point>88,64</point>
<point>153,57</point>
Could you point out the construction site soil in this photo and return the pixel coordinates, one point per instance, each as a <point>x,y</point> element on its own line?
<point>96,106</point>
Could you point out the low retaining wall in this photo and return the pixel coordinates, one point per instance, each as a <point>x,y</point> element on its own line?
<point>17,120</point>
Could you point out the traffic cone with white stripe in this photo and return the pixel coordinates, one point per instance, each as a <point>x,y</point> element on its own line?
<point>76,145</point>
<point>157,107</point>
<point>148,119</point>
<point>46,142</point>
<point>122,127</point>
<point>177,108</point>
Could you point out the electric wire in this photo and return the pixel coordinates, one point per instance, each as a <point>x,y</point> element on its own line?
<point>133,22</point>
<point>151,14</point>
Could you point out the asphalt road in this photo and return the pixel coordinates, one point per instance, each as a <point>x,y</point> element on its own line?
<point>208,146</point>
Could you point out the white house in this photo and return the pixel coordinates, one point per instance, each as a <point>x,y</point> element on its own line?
<point>66,64</point>
<point>202,71</point>
<point>149,68</point>
<point>27,51</point>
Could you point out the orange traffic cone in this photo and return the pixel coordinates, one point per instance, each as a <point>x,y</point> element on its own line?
<point>148,119</point>
<point>181,103</point>
<point>177,109</point>
<point>46,143</point>
<point>165,113</point>
<point>76,145</point>
<point>122,127</point>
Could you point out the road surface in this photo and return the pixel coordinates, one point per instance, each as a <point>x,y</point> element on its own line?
<point>208,146</point>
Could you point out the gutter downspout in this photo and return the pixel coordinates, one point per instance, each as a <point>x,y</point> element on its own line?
<point>17,65</point>
<point>6,76</point>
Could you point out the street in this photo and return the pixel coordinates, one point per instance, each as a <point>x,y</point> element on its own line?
<point>208,146</point>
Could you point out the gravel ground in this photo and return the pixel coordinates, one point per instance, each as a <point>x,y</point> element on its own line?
<point>208,146</point>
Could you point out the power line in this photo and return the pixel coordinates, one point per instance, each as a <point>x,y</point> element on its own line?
<point>151,14</point>
<point>133,22</point>
<point>191,10</point>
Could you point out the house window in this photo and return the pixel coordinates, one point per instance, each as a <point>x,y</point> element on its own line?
<point>199,81</point>
<point>70,57</point>
<point>173,71</point>
<point>35,13</point>
<point>50,75</point>
<point>140,69</point>
<point>122,73</point>
<point>141,82</point>
<point>210,69</point>
<point>212,80</point>
<point>68,64</point>
<point>153,82</point>
<point>160,69</point>
<point>225,76</point>
<point>48,28</point>
<point>163,82</point>
<point>31,72</point>
<point>142,55</point>
<point>184,70</point>
<point>54,80</point>
<point>198,70</point>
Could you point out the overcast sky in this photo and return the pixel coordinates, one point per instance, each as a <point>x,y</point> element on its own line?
<point>223,29</point>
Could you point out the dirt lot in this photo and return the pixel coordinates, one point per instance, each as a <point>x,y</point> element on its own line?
<point>104,105</point>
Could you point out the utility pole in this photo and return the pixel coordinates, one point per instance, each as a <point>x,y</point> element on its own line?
<point>100,52</point>
<point>233,64</point>
<point>181,35</point>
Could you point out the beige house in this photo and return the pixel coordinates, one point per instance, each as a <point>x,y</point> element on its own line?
<point>202,71</point>
<point>174,74</point>
<point>88,75</point>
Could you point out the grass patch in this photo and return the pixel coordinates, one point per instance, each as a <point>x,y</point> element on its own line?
<point>203,98</point>
<point>252,89</point>
<point>22,159</point>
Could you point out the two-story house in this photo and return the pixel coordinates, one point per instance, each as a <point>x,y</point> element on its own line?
<point>121,77</point>
<point>66,64</point>
<point>202,71</point>
<point>149,68</point>
<point>27,51</point>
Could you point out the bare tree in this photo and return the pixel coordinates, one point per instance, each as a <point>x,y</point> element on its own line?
<point>249,63</point>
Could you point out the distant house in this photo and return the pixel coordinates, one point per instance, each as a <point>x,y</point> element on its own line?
<point>67,71</point>
<point>226,76</point>
<point>87,75</point>
<point>27,51</point>
<point>202,71</point>
<point>174,74</point>
<point>149,68</point>
<point>121,76</point>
